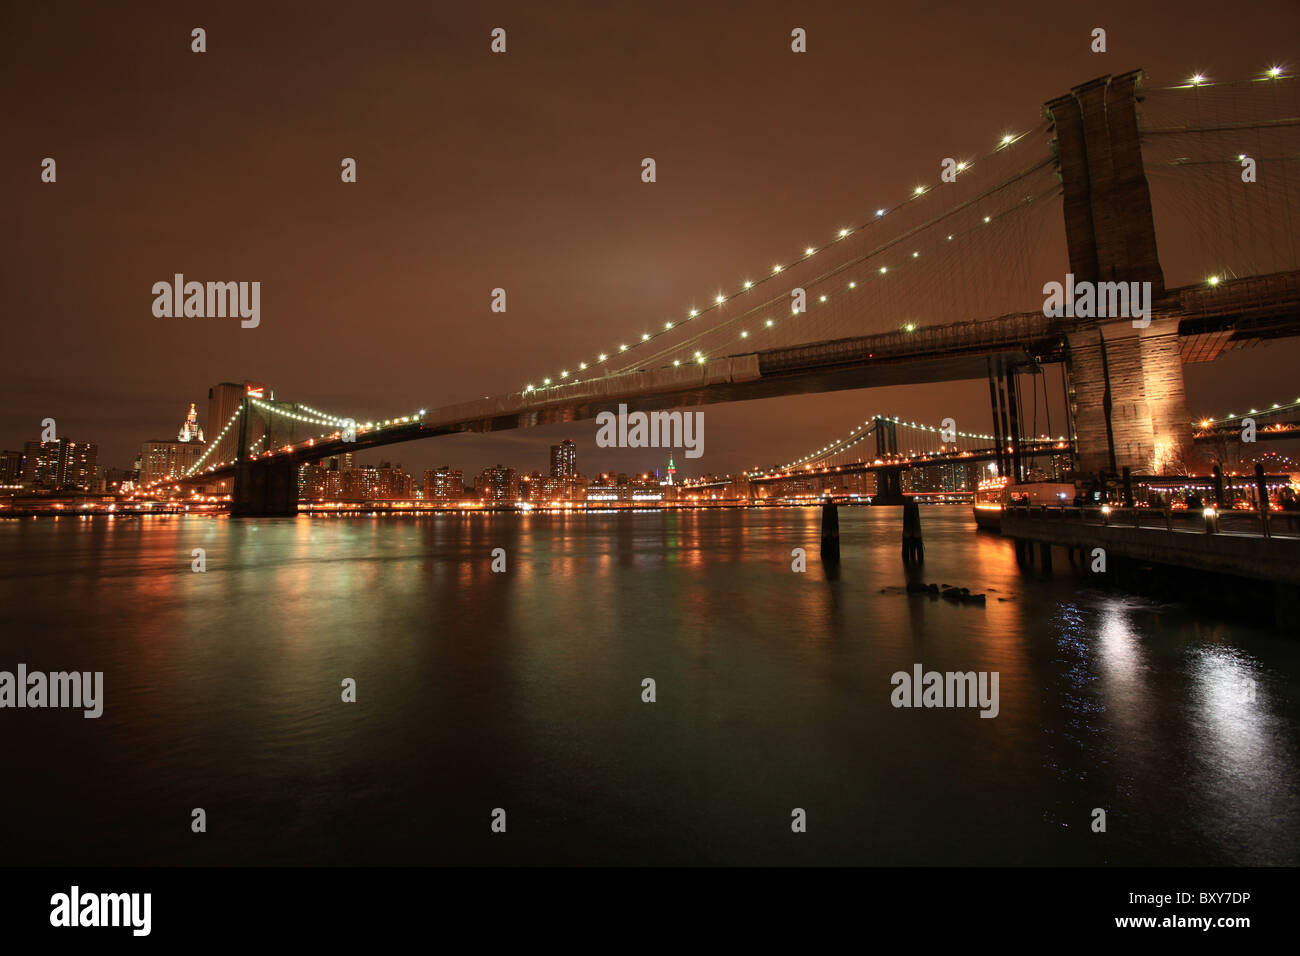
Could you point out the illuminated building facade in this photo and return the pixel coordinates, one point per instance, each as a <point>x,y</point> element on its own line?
<point>498,484</point>
<point>388,482</point>
<point>59,464</point>
<point>564,460</point>
<point>168,459</point>
<point>444,483</point>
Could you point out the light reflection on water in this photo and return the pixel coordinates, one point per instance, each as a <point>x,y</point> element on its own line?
<point>522,690</point>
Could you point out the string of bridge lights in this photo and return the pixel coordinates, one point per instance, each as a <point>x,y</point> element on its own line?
<point>1275,72</point>
<point>1234,417</point>
<point>721,299</point>
<point>336,422</point>
<point>212,446</point>
<point>325,419</point>
<point>839,445</point>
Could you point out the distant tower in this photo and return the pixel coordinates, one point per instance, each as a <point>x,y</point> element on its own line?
<point>672,470</point>
<point>564,460</point>
<point>190,430</point>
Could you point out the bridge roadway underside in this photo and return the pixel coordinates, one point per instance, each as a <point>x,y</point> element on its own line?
<point>941,354</point>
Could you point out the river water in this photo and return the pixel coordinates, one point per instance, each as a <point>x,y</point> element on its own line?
<point>522,691</point>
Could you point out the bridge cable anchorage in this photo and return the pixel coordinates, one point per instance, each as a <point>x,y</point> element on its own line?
<point>686,354</point>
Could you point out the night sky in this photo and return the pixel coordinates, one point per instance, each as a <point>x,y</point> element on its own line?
<point>520,171</point>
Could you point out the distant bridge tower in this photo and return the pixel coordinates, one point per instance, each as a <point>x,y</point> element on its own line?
<point>886,437</point>
<point>1128,400</point>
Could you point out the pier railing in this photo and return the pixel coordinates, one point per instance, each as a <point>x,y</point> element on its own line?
<point>1209,520</point>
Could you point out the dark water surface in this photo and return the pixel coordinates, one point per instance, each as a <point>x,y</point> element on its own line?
<point>522,691</point>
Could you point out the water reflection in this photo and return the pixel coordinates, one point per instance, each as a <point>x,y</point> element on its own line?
<point>523,688</point>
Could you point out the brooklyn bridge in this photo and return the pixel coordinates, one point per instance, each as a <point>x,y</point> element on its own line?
<point>946,284</point>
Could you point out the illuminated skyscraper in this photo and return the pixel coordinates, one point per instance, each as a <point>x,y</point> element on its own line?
<point>59,464</point>
<point>190,430</point>
<point>564,460</point>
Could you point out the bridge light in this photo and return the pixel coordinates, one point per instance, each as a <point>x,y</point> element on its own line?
<point>880,212</point>
<point>987,218</point>
<point>915,255</point>
<point>677,361</point>
<point>961,167</point>
<point>603,356</point>
<point>919,190</point>
<point>950,238</point>
<point>748,283</point>
<point>564,373</point>
<point>1275,71</point>
<point>823,299</point>
<point>700,360</point>
<point>1213,280</point>
<point>769,323</point>
<point>809,251</point>
<point>1007,139</point>
<point>720,299</point>
<point>884,269</point>
<point>1197,79</point>
<point>776,269</point>
<point>545,381</point>
<point>853,285</point>
<point>744,335</point>
<point>694,313</point>
<point>843,233</point>
<point>667,326</point>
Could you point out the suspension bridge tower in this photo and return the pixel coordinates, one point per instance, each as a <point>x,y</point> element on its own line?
<point>1127,395</point>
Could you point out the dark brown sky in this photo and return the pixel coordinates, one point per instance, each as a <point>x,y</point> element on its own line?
<point>519,171</point>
